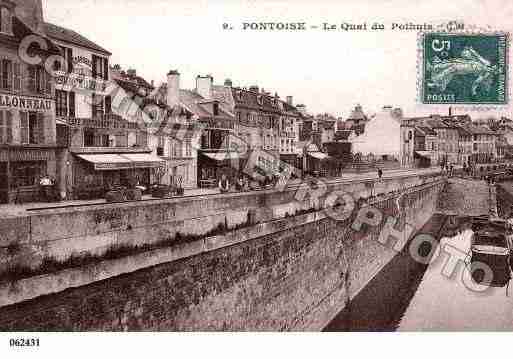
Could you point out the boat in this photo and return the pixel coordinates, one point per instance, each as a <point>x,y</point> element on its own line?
<point>491,245</point>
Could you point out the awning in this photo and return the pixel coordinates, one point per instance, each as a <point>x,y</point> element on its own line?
<point>425,154</point>
<point>144,160</point>
<point>222,156</point>
<point>112,161</point>
<point>107,161</point>
<point>318,155</point>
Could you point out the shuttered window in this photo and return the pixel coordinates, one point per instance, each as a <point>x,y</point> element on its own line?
<point>17,77</point>
<point>5,127</point>
<point>61,103</point>
<point>71,105</point>
<point>24,127</point>
<point>106,69</point>
<point>5,21</point>
<point>108,104</point>
<point>6,74</point>
<point>31,83</point>
<point>69,59</point>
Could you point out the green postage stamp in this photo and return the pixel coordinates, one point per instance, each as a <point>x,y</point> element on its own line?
<point>466,68</point>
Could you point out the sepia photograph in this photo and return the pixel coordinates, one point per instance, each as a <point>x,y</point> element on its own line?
<point>240,166</point>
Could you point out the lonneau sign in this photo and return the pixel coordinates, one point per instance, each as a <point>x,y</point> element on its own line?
<point>25,103</point>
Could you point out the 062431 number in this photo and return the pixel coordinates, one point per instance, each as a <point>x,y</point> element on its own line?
<point>24,342</point>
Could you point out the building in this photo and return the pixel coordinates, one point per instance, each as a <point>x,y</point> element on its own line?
<point>289,126</point>
<point>425,146</point>
<point>206,147</point>
<point>29,148</point>
<point>327,127</point>
<point>483,143</point>
<point>267,123</point>
<point>382,137</point>
<point>357,120</point>
<point>99,113</point>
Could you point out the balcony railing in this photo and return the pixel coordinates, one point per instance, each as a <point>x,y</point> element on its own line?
<point>107,121</point>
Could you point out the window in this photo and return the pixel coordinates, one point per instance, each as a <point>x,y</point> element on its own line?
<point>176,148</point>
<point>17,79</point>
<point>27,173</point>
<point>36,126</point>
<point>108,105</point>
<point>38,80</point>
<point>6,82</point>
<point>100,67</point>
<point>160,147</point>
<point>216,109</point>
<point>64,103</point>
<point>24,127</point>
<point>88,137</point>
<point>105,141</point>
<point>97,105</point>
<point>188,148</point>
<point>68,58</point>
<point>31,127</point>
<point>5,127</point>
<point>5,21</point>
<point>61,103</point>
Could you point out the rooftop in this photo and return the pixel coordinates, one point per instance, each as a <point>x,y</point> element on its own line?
<point>66,35</point>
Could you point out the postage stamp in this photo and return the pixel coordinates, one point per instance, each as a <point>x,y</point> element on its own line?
<point>465,68</point>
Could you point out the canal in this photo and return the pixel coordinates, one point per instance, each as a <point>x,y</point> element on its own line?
<point>410,296</point>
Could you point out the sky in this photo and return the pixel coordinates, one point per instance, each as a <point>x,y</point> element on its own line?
<point>328,71</point>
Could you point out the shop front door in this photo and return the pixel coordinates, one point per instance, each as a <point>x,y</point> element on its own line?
<point>3,183</point>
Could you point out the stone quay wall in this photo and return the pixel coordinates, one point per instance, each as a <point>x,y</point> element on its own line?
<point>275,268</point>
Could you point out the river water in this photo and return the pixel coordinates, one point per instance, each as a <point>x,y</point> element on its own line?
<point>408,296</point>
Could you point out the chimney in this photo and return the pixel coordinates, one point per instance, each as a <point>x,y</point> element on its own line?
<point>31,13</point>
<point>204,86</point>
<point>289,101</point>
<point>253,88</point>
<point>153,83</point>
<point>228,83</point>
<point>173,88</point>
<point>301,108</point>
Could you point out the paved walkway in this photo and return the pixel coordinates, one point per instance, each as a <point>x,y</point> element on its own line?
<point>15,210</point>
<point>10,210</point>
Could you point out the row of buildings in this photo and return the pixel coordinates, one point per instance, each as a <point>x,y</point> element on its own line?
<point>67,113</point>
<point>89,125</point>
<point>426,141</point>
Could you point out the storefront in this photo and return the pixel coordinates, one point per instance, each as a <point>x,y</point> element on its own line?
<point>316,162</point>
<point>96,173</point>
<point>21,170</point>
<point>422,159</point>
<point>213,165</point>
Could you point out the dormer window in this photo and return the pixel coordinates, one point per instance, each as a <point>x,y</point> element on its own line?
<point>5,19</point>
<point>260,100</point>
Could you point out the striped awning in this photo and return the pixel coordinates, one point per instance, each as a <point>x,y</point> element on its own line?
<point>318,155</point>
<point>114,161</point>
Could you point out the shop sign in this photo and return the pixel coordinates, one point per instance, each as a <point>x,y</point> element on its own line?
<point>25,103</point>
<point>32,155</point>
<point>107,122</point>
<point>112,166</point>
<point>75,81</point>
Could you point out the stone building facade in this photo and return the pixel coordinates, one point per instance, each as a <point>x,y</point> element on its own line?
<point>28,145</point>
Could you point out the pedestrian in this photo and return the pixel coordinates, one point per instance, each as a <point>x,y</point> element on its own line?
<point>240,184</point>
<point>224,184</point>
